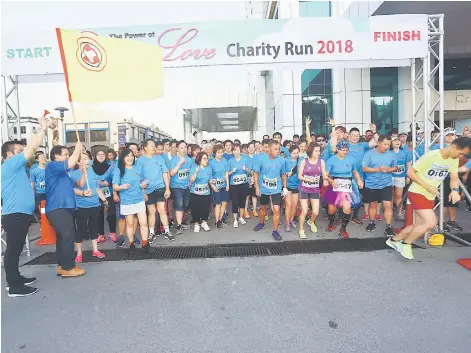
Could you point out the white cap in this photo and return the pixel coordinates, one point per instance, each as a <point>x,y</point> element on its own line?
<point>450,131</point>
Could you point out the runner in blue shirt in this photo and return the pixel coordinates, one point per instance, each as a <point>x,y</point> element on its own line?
<point>292,199</point>
<point>18,207</point>
<point>200,196</point>
<point>284,152</point>
<point>219,184</point>
<point>251,193</point>
<point>399,177</point>
<point>37,177</point>
<point>228,154</point>
<point>270,176</point>
<point>239,187</point>
<point>378,166</point>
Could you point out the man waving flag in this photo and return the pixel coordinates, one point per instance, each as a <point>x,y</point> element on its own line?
<point>101,69</point>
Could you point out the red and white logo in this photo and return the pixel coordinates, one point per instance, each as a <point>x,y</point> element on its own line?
<point>91,54</point>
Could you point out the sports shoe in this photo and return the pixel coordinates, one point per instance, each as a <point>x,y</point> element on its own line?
<point>276,235</point>
<point>205,226</point>
<point>259,227</point>
<point>406,251</point>
<point>98,254</point>
<point>120,243</point>
<point>75,272</point>
<point>255,213</point>
<point>287,227</point>
<point>267,218</point>
<point>101,239</point>
<point>169,236</point>
<point>242,221</point>
<point>171,223</point>
<point>236,224</point>
<point>146,247</point>
<point>313,227</point>
<point>247,215</point>
<point>185,227</point>
<point>136,240</point>
<point>21,291</point>
<point>293,224</point>
<point>452,225</point>
<point>389,232</point>
<point>343,233</point>
<point>158,232</point>
<point>371,227</point>
<point>197,228</point>
<point>78,259</point>
<point>331,227</point>
<point>25,281</point>
<point>379,217</point>
<point>179,230</point>
<point>394,244</point>
<point>365,217</point>
<point>152,237</point>
<point>467,209</point>
<point>132,248</point>
<point>302,234</point>
<point>224,221</point>
<point>113,237</point>
<point>356,221</point>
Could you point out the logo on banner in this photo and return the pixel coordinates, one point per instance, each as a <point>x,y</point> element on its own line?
<point>91,54</point>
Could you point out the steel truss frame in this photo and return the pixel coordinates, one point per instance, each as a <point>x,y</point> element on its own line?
<point>10,90</point>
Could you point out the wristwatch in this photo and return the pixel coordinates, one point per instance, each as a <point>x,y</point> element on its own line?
<point>456,189</point>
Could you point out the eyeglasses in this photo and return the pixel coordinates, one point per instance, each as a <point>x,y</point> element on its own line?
<point>320,140</point>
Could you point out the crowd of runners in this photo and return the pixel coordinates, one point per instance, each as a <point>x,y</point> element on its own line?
<point>166,188</point>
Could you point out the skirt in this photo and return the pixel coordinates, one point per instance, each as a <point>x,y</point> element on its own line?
<point>339,198</point>
<point>135,208</point>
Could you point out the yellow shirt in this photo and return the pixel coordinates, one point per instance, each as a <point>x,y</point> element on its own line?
<point>433,169</point>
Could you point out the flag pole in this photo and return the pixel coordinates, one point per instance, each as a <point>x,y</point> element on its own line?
<point>78,138</point>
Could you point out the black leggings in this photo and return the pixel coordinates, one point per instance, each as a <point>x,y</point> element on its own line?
<point>84,217</point>
<point>199,207</point>
<point>110,217</point>
<point>238,195</point>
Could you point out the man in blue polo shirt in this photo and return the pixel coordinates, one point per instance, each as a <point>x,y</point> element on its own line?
<point>17,208</point>
<point>60,207</point>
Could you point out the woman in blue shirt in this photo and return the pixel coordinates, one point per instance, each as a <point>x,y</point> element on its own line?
<point>87,195</point>
<point>38,178</point>
<point>239,187</point>
<point>251,193</point>
<point>399,177</point>
<point>219,183</point>
<point>292,199</point>
<point>127,181</point>
<point>200,198</point>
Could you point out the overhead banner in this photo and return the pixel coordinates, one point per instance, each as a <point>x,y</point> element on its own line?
<point>261,44</point>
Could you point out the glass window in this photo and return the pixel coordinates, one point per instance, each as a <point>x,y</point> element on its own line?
<point>384,98</point>
<point>23,129</point>
<point>98,135</point>
<point>457,74</point>
<point>71,136</point>
<point>15,130</point>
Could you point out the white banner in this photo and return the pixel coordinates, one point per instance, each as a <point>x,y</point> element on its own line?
<point>300,43</point>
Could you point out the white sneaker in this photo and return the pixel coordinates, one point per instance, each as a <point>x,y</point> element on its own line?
<point>205,226</point>
<point>197,228</point>
<point>242,221</point>
<point>236,224</point>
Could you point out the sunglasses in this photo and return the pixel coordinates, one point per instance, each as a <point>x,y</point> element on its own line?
<point>320,140</point>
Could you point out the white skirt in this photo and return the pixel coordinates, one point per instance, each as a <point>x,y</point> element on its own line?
<point>135,208</point>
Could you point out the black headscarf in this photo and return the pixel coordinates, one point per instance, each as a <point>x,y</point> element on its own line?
<point>100,168</point>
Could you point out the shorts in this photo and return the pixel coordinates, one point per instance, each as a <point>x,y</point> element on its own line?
<point>156,196</point>
<point>377,195</point>
<point>446,194</point>
<point>275,199</point>
<point>118,212</point>
<point>252,192</point>
<point>420,202</point>
<point>39,198</point>
<point>293,190</point>
<point>132,209</point>
<point>399,182</point>
<point>181,199</point>
<point>307,195</point>
<point>221,196</point>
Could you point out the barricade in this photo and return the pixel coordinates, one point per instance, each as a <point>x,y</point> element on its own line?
<point>48,234</point>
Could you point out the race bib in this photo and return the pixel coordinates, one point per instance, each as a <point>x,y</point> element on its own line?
<point>343,185</point>
<point>311,182</point>
<point>201,189</point>
<point>183,174</point>
<point>42,185</point>
<point>437,174</point>
<point>269,183</point>
<point>106,192</point>
<point>220,183</point>
<point>400,169</point>
<point>239,179</point>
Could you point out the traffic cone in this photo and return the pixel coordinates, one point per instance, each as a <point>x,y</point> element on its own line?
<point>466,263</point>
<point>48,234</point>
<point>408,219</point>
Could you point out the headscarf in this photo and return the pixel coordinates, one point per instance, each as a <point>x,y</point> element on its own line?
<point>343,144</point>
<point>100,168</point>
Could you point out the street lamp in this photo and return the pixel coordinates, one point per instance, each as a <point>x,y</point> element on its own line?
<point>61,111</point>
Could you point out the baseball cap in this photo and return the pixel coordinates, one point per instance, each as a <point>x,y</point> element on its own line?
<point>450,131</point>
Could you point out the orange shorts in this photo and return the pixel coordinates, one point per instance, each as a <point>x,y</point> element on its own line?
<point>420,202</point>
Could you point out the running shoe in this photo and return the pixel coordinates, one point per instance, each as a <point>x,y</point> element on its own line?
<point>343,233</point>
<point>394,244</point>
<point>98,254</point>
<point>357,221</point>
<point>197,228</point>
<point>331,227</point>
<point>371,227</point>
<point>302,234</point>
<point>179,229</point>
<point>453,226</point>
<point>152,238</point>
<point>379,217</point>
<point>287,227</point>
<point>242,221</point>
<point>389,232</point>
<point>259,227</point>
<point>225,221</point>
<point>236,224</point>
<point>146,247</point>
<point>313,227</point>
<point>255,213</point>
<point>406,251</point>
<point>78,259</point>
<point>218,224</point>
<point>101,239</point>
<point>205,226</point>
<point>25,281</point>
<point>113,237</point>
<point>21,291</point>
<point>136,240</point>
<point>293,224</point>
<point>365,217</point>
<point>276,235</point>
<point>247,215</point>
<point>120,243</point>
<point>169,236</point>
<point>171,223</point>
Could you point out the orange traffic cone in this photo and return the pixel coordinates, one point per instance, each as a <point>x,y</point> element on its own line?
<point>408,219</point>
<point>466,263</point>
<point>48,234</point>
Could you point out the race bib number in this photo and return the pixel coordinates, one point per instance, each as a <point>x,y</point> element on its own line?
<point>220,183</point>
<point>42,185</point>
<point>183,174</point>
<point>269,183</point>
<point>311,182</point>
<point>400,169</point>
<point>106,192</point>
<point>201,189</point>
<point>239,179</point>
<point>437,174</point>
<point>343,185</point>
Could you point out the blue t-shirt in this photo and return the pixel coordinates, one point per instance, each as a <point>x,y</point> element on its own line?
<point>201,184</point>
<point>284,152</point>
<point>292,166</point>
<point>341,168</point>
<point>420,149</point>
<point>153,170</point>
<point>219,171</point>
<point>228,156</point>
<point>357,152</point>
<point>374,159</point>
<point>38,177</point>
<point>400,159</point>
<point>84,201</point>
<point>181,180</point>
<point>133,177</point>
<point>239,176</point>
<point>270,171</point>
<point>327,152</point>
<point>17,193</point>
<point>59,187</point>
